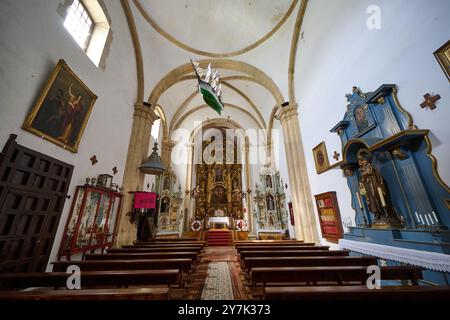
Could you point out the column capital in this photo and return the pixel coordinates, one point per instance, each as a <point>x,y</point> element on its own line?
<point>168,144</point>
<point>142,111</point>
<point>287,112</point>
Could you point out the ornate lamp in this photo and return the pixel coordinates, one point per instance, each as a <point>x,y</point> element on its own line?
<point>153,164</point>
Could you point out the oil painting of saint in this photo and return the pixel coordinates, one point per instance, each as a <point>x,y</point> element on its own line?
<point>62,110</point>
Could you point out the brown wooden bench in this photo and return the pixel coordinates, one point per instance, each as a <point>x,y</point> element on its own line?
<point>265,244</point>
<point>358,293</point>
<point>292,253</point>
<point>280,248</point>
<point>102,265</point>
<point>143,256</point>
<point>165,245</point>
<point>90,279</point>
<point>266,276</point>
<point>257,262</point>
<point>140,250</point>
<point>268,241</point>
<point>149,293</point>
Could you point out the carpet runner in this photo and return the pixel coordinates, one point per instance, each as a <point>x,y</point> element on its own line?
<point>218,285</point>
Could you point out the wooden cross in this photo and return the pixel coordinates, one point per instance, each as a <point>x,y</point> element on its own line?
<point>336,155</point>
<point>430,101</point>
<point>114,170</point>
<point>94,159</point>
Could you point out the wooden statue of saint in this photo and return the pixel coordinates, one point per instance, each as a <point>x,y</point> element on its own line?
<point>374,189</point>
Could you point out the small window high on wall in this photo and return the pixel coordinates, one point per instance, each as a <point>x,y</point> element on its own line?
<point>87,23</point>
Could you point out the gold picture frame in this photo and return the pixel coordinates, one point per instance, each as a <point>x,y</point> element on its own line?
<point>321,157</point>
<point>443,57</point>
<point>62,110</point>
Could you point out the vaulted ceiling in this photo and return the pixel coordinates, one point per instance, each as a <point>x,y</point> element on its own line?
<point>252,44</point>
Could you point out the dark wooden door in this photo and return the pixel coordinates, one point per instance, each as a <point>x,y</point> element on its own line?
<point>33,189</point>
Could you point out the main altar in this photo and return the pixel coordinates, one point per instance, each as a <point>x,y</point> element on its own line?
<point>218,192</point>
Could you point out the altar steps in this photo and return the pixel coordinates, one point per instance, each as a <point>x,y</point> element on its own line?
<point>219,238</point>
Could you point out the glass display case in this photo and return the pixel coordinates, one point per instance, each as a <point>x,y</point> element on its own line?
<point>92,221</point>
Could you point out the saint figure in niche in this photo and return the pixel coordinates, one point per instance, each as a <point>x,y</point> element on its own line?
<point>270,203</point>
<point>219,174</point>
<point>373,188</point>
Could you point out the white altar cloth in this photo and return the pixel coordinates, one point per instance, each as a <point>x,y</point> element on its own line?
<point>224,220</point>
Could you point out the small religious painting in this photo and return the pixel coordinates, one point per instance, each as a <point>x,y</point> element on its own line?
<point>443,57</point>
<point>321,157</point>
<point>361,118</point>
<point>62,110</point>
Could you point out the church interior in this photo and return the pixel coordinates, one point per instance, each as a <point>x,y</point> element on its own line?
<point>224,150</point>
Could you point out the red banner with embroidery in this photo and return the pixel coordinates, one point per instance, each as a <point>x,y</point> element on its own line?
<point>144,200</point>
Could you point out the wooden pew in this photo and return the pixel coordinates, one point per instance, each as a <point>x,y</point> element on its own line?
<point>358,293</point>
<point>149,250</point>
<point>279,248</point>
<point>292,253</point>
<point>268,241</point>
<point>90,279</point>
<point>258,262</point>
<point>149,293</point>
<point>274,244</point>
<point>165,245</point>
<point>101,265</point>
<point>143,256</point>
<point>334,274</point>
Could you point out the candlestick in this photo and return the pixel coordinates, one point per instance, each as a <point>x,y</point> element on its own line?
<point>421,219</point>
<point>359,200</point>
<point>380,192</point>
<point>426,218</point>
<point>431,218</point>
<point>418,219</point>
<point>434,214</point>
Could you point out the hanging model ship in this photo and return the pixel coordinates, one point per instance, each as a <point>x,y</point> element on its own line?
<point>209,86</point>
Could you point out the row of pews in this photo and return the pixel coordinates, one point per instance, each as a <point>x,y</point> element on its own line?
<point>290,269</point>
<point>145,271</point>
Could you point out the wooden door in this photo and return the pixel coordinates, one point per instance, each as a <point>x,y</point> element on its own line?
<point>33,189</point>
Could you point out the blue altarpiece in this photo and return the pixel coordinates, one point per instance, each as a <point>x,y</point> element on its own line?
<point>402,154</point>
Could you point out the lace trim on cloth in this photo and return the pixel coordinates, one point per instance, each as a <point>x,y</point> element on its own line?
<point>429,260</point>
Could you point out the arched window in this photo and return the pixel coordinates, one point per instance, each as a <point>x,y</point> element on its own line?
<point>87,23</point>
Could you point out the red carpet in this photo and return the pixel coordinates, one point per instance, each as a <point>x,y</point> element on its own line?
<point>219,238</point>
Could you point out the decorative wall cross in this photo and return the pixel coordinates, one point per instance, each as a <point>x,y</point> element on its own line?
<point>430,101</point>
<point>114,170</point>
<point>94,159</point>
<point>336,155</point>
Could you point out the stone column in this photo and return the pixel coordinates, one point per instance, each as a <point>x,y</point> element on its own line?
<point>166,152</point>
<point>305,222</point>
<point>133,178</point>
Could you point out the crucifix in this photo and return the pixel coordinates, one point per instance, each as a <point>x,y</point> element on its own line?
<point>430,101</point>
<point>336,155</point>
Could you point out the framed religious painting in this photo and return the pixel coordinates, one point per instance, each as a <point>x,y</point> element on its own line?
<point>62,109</point>
<point>321,157</point>
<point>443,57</point>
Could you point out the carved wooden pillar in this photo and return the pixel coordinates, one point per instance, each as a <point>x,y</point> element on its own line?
<point>133,178</point>
<point>305,226</point>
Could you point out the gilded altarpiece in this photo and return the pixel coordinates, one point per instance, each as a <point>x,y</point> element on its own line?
<point>219,187</point>
<point>169,203</point>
